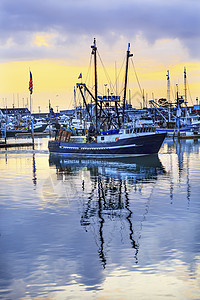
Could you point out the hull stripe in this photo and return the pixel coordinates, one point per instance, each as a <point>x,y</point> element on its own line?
<point>100,148</point>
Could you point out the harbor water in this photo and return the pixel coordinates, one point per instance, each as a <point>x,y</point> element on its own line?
<point>100,229</point>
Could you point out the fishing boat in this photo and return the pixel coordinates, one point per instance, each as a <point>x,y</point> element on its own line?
<point>180,122</point>
<point>116,140</point>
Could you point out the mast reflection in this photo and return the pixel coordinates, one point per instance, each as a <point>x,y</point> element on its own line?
<point>108,200</point>
<point>34,171</point>
<point>183,149</point>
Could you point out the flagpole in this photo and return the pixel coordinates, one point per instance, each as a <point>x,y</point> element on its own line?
<point>30,102</point>
<point>30,88</point>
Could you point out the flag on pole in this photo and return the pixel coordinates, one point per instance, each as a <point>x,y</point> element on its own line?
<point>31,84</point>
<point>80,76</point>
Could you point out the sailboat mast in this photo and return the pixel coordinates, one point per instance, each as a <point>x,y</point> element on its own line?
<point>126,77</point>
<point>94,52</point>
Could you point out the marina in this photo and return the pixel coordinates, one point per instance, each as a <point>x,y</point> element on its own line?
<point>99,150</point>
<point>100,206</point>
<point>100,228</point>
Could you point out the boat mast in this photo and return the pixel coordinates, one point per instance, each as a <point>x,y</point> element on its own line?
<point>178,110</point>
<point>185,85</point>
<point>125,83</point>
<point>94,52</point>
<point>168,95</point>
<point>75,108</point>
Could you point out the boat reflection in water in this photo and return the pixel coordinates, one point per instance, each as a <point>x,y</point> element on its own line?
<point>106,190</point>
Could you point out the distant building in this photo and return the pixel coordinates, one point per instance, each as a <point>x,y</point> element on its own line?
<point>41,115</point>
<point>14,111</point>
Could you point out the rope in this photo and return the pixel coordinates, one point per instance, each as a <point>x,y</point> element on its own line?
<point>89,68</point>
<point>189,92</point>
<point>106,73</point>
<point>141,91</point>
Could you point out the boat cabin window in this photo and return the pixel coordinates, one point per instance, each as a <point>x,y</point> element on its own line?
<point>102,138</point>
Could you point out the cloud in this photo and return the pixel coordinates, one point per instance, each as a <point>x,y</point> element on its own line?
<point>70,22</point>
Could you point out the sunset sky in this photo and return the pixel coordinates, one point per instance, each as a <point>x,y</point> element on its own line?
<point>53,39</point>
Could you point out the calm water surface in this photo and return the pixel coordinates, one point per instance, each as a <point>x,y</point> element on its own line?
<point>125,229</point>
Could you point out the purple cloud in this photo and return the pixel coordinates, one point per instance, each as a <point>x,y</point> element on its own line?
<point>20,19</point>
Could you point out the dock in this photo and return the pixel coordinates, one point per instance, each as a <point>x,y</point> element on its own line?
<point>192,136</point>
<point>16,144</point>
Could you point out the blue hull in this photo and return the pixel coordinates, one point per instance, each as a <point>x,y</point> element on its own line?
<point>143,145</point>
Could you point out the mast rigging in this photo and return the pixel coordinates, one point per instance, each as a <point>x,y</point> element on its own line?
<point>128,54</point>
